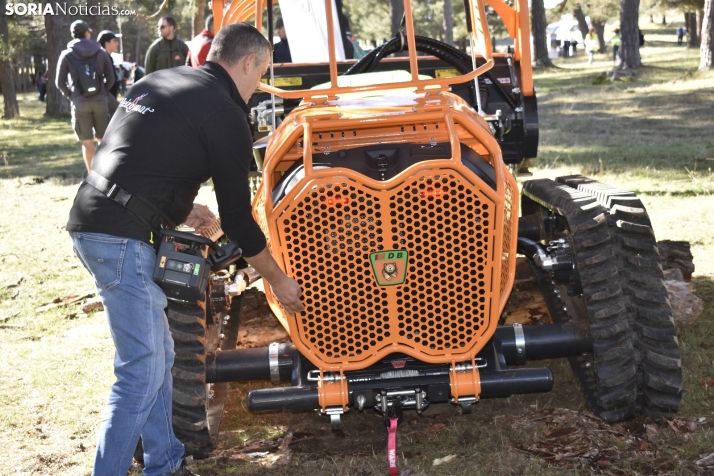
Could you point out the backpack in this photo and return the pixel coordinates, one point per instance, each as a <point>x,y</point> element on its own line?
<point>86,77</point>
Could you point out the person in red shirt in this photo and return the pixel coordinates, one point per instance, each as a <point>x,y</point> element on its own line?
<point>200,45</point>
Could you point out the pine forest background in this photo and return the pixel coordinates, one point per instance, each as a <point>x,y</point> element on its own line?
<point>29,44</point>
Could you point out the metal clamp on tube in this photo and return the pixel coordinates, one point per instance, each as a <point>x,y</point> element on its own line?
<point>273,352</point>
<point>520,342</point>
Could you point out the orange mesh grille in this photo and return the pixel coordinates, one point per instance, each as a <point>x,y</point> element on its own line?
<point>445,224</point>
<point>327,239</point>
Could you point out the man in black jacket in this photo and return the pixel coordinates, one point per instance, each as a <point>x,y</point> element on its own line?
<point>178,128</point>
<point>90,114</point>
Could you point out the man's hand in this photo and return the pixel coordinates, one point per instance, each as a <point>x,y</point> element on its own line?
<point>200,218</point>
<point>287,290</point>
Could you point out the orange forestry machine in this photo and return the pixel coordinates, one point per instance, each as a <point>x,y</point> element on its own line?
<point>386,193</point>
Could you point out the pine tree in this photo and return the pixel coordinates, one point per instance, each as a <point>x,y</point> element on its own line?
<point>7,77</point>
<point>630,35</point>
<point>707,49</point>
<point>540,39</point>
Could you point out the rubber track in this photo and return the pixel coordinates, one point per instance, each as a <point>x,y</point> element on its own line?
<point>610,385</point>
<point>641,277</point>
<point>187,325</point>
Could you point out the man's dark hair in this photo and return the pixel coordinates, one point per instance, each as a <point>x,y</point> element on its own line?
<point>279,23</point>
<point>170,21</point>
<point>237,40</point>
<point>104,36</point>
<point>209,22</point>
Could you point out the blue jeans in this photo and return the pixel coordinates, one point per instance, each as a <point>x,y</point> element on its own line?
<point>140,400</point>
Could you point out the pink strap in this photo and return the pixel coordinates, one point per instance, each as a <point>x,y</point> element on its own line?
<point>392,447</point>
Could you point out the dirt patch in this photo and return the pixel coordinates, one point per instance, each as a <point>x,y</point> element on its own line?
<point>258,325</point>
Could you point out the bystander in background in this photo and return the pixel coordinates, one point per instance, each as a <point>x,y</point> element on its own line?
<point>41,84</point>
<point>168,51</point>
<point>591,44</point>
<point>201,44</point>
<point>281,50</point>
<point>84,74</point>
<point>110,44</point>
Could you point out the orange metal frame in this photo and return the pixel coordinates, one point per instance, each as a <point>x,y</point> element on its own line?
<point>309,130</point>
<point>516,21</point>
<point>324,228</point>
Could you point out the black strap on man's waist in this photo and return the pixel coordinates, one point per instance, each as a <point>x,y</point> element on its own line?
<point>141,208</point>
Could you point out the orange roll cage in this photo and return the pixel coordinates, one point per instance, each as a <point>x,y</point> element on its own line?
<point>516,21</point>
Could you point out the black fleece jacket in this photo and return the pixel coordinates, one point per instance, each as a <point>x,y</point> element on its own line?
<point>176,129</point>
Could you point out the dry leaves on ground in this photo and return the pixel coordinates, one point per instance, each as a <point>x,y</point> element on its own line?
<point>582,441</point>
<point>267,452</point>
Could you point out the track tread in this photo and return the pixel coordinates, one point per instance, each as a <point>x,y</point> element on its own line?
<point>653,332</point>
<point>187,324</point>
<point>610,386</point>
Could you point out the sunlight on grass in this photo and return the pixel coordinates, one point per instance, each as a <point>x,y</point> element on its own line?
<point>651,134</point>
<point>37,146</point>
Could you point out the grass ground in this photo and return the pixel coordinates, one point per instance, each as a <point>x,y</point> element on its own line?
<point>653,135</point>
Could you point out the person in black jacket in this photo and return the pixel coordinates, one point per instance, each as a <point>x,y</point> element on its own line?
<point>110,44</point>
<point>281,50</point>
<point>176,129</point>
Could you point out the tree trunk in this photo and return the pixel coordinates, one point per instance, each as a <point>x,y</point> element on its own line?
<point>690,18</point>
<point>396,8</point>
<point>582,23</point>
<point>448,23</point>
<point>137,49</point>
<point>600,30</point>
<point>707,50</point>
<point>700,20</point>
<point>57,28</point>
<point>199,19</point>
<point>664,20</point>
<point>540,38</point>
<point>7,79</point>
<point>629,35</point>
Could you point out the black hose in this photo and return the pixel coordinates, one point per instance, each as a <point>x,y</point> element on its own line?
<point>450,55</point>
<point>363,65</point>
<point>530,249</point>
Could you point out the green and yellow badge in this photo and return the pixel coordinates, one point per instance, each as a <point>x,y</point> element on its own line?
<point>390,267</point>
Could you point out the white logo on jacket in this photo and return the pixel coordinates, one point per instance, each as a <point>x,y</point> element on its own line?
<point>133,105</point>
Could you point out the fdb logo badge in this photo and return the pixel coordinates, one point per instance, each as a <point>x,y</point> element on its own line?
<point>390,267</point>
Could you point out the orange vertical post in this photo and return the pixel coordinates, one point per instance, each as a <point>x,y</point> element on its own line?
<point>331,43</point>
<point>523,47</point>
<point>413,65</point>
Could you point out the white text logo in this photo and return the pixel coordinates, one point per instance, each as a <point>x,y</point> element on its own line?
<point>134,106</point>
<point>64,9</point>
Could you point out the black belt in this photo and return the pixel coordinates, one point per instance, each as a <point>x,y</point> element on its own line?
<point>141,208</point>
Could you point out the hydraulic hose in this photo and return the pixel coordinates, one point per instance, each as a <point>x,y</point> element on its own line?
<point>534,251</point>
<point>450,55</point>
